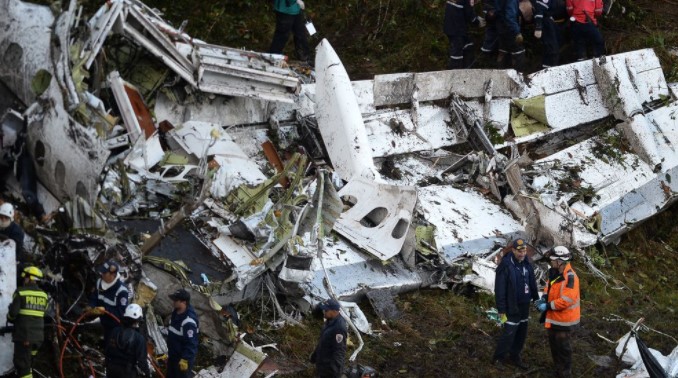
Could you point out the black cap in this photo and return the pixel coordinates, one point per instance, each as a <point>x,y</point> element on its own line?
<point>180,295</point>
<point>330,304</point>
<point>109,266</point>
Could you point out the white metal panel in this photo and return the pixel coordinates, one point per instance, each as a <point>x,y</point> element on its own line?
<point>7,287</point>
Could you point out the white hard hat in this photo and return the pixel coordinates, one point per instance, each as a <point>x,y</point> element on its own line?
<point>561,253</point>
<point>133,311</point>
<point>7,210</point>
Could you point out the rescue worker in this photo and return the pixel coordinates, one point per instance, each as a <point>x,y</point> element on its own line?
<point>289,17</point>
<point>561,308</point>
<point>514,287</point>
<point>26,312</point>
<point>584,24</point>
<point>126,348</point>
<point>9,229</point>
<point>546,29</point>
<point>491,39</point>
<point>111,296</point>
<point>330,352</point>
<point>458,14</point>
<point>182,339</point>
<point>511,49</point>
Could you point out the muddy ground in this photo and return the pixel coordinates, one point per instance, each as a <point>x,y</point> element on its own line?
<point>445,333</point>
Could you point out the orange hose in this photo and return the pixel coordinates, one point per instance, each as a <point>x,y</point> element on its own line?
<point>70,336</point>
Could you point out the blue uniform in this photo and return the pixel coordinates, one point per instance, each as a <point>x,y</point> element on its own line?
<point>182,342</point>
<point>114,300</point>
<point>125,351</point>
<point>14,232</point>
<point>511,51</point>
<point>491,39</point>
<point>544,13</point>
<point>514,286</point>
<point>458,14</point>
<point>330,352</point>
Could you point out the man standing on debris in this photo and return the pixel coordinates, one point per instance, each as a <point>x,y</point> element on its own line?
<point>111,296</point>
<point>26,312</point>
<point>561,309</point>
<point>458,14</point>
<point>546,29</point>
<point>511,49</point>
<point>514,287</point>
<point>289,17</point>
<point>330,352</point>
<point>126,349</point>
<point>584,23</point>
<point>9,229</point>
<point>182,339</point>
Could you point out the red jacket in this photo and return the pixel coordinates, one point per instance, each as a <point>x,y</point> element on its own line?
<point>579,9</point>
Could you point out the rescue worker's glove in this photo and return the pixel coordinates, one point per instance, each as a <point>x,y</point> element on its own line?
<point>481,22</point>
<point>542,306</point>
<point>519,39</point>
<point>502,318</point>
<point>183,365</point>
<point>301,4</point>
<point>538,302</point>
<point>537,34</point>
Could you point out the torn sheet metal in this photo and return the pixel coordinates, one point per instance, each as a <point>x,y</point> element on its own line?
<point>339,119</point>
<point>484,273</point>
<point>138,120</point>
<point>572,94</point>
<point>243,363</point>
<point>466,221</point>
<point>353,273</point>
<point>616,186</point>
<point>232,72</point>
<point>7,287</point>
<point>379,217</point>
<point>242,260</point>
<point>212,69</point>
<point>25,46</point>
<point>100,26</point>
<point>222,110</point>
<point>393,89</point>
<point>145,154</point>
<point>68,156</point>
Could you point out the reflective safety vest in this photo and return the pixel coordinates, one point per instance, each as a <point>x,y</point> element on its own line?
<point>27,311</point>
<point>563,300</point>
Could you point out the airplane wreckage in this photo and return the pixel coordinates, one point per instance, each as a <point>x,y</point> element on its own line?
<point>307,186</point>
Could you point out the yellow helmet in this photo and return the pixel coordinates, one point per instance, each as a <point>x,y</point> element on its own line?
<point>32,272</point>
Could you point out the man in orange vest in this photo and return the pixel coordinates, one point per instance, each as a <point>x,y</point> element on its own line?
<point>561,309</point>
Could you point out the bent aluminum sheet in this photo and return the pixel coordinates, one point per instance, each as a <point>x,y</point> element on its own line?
<point>379,218</point>
<point>7,287</point>
<point>466,221</point>
<point>353,273</point>
<point>627,190</point>
<point>24,45</point>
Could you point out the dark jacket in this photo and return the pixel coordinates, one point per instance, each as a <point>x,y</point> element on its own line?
<point>507,12</point>
<point>505,288</point>
<point>27,312</point>
<point>458,14</point>
<point>548,8</point>
<point>126,348</point>
<point>14,232</point>
<point>330,352</point>
<point>182,339</point>
<point>114,300</point>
